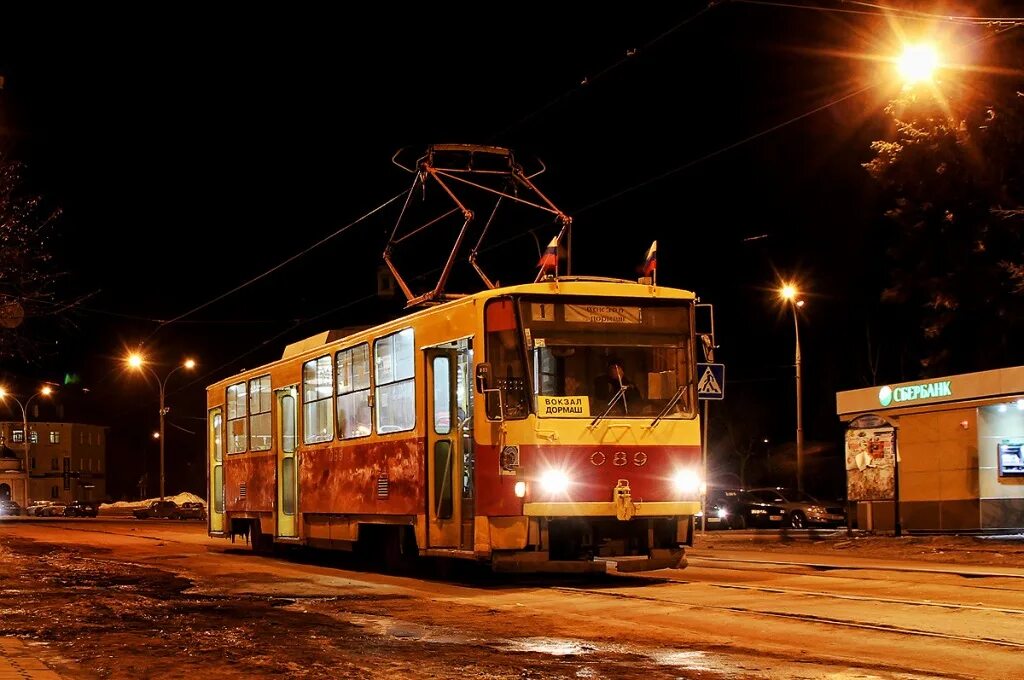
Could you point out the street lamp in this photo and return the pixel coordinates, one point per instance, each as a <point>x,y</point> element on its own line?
<point>789,295</point>
<point>138,362</point>
<point>918,63</point>
<point>44,391</point>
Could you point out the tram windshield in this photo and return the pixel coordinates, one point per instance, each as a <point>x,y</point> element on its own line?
<point>588,359</point>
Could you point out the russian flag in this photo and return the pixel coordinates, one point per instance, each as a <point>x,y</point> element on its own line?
<point>549,260</point>
<point>651,260</point>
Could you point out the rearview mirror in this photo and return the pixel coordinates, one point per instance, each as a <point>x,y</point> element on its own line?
<point>483,377</point>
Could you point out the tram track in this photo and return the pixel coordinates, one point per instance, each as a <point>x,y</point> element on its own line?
<point>806,618</point>
<point>781,590</point>
<point>963,571</point>
<point>670,577</point>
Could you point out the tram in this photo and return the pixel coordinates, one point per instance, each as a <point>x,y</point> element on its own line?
<point>548,426</point>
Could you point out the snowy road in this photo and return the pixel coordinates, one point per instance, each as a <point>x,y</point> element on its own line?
<point>123,598</point>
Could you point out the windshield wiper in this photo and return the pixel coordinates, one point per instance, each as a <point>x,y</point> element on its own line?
<point>668,407</point>
<point>621,394</point>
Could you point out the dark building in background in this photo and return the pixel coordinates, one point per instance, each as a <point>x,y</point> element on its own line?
<point>66,462</point>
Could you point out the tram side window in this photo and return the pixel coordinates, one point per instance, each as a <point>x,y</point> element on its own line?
<point>259,413</point>
<point>317,393</point>
<point>354,392</point>
<point>505,354</point>
<point>395,379</point>
<point>238,435</point>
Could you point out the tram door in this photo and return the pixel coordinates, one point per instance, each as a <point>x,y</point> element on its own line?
<point>444,458</point>
<point>215,445</point>
<point>287,473</point>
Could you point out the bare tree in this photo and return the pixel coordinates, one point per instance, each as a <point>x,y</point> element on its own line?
<point>28,281</point>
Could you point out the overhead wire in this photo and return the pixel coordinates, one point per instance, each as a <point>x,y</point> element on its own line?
<point>588,81</point>
<point>724,149</point>
<point>932,15</point>
<point>886,11</point>
<point>278,266</point>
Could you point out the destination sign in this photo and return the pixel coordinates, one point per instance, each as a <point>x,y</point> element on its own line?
<point>601,314</point>
<point>563,406</point>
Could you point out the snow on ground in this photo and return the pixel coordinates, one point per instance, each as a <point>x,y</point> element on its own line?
<point>184,497</point>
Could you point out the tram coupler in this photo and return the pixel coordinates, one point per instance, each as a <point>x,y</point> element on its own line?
<point>625,509</point>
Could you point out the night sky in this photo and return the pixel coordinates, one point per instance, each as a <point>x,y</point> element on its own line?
<point>192,150</point>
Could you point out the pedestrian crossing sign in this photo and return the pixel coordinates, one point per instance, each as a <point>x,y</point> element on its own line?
<point>711,381</point>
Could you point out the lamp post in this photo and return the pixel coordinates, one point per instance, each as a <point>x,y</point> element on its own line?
<point>138,362</point>
<point>44,391</point>
<point>789,294</point>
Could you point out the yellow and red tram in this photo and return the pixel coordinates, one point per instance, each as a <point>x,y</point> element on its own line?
<point>545,426</point>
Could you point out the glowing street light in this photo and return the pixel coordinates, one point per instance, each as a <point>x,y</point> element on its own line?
<point>138,362</point>
<point>790,295</point>
<point>918,63</point>
<point>44,391</point>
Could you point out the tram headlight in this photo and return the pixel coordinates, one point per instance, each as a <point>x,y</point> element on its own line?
<point>554,481</point>
<point>520,489</point>
<point>687,482</point>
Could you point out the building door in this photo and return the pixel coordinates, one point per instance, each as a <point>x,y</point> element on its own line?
<point>287,462</point>
<point>215,446</point>
<point>444,461</point>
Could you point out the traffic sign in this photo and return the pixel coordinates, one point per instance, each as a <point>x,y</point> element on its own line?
<point>711,381</point>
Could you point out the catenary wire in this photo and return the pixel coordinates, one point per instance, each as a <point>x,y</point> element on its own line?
<point>589,81</point>
<point>273,269</point>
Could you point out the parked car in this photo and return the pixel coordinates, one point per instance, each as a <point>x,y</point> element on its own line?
<point>796,509</point>
<point>724,509</point>
<point>9,508</point>
<point>192,510</point>
<point>158,510</point>
<point>51,509</point>
<point>754,510</point>
<point>33,508</point>
<point>82,509</point>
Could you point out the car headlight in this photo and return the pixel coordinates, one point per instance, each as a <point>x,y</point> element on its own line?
<point>687,482</point>
<point>554,481</point>
<point>722,513</point>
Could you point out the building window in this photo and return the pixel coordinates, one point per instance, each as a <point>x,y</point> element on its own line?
<point>18,436</point>
<point>354,392</point>
<point>395,374</point>
<point>54,437</point>
<point>33,436</point>
<point>88,437</point>
<point>81,437</point>
<point>317,391</point>
<point>238,435</point>
<point>259,413</point>
<point>81,464</point>
<point>33,462</point>
<point>54,492</point>
<point>54,464</point>
<point>99,462</point>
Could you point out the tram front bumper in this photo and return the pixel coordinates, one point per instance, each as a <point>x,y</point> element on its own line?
<point>611,509</point>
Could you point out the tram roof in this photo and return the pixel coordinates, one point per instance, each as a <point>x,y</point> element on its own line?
<point>566,285</point>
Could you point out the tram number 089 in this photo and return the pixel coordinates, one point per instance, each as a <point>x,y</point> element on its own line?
<point>619,458</point>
